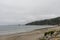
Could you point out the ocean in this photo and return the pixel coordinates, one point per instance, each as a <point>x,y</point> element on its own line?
<point>18,29</point>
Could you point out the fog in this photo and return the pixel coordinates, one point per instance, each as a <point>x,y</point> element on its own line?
<point>24,11</point>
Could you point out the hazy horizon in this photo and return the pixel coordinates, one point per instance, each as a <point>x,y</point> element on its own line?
<point>24,11</point>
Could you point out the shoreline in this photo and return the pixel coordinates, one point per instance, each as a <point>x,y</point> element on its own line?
<point>32,35</point>
<point>14,32</point>
<point>21,33</point>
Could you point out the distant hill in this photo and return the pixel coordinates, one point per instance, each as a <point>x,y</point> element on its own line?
<point>53,21</point>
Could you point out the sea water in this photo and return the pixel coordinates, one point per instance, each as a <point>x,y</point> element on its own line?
<point>18,29</point>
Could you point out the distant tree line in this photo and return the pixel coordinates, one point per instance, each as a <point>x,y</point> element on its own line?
<point>53,21</point>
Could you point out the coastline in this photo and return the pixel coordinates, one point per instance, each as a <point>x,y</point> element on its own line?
<point>32,35</point>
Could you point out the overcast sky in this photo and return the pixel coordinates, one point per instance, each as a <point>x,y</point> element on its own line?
<point>23,11</point>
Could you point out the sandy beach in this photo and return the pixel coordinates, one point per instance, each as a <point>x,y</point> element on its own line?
<point>32,35</point>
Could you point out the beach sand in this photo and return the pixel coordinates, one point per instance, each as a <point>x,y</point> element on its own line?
<point>32,35</point>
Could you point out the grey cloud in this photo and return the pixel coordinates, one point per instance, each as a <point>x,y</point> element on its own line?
<point>23,11</point>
